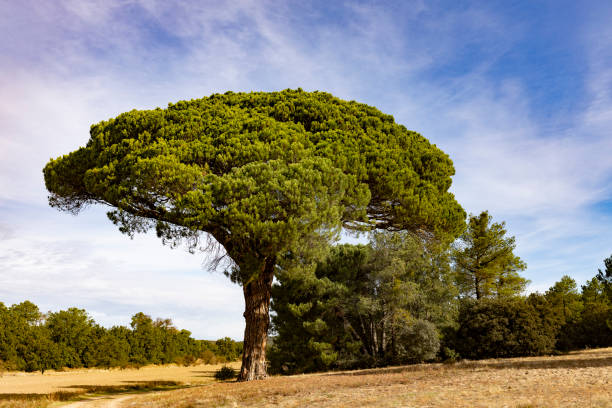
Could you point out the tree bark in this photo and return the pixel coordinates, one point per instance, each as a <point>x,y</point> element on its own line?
<point>393,344</point>
<point>257,316</point>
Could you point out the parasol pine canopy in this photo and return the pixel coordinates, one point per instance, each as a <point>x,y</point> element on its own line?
<point>262,173</point>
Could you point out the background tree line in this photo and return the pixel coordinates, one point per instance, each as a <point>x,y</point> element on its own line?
<point>32,341</point>
<point>406,297</point>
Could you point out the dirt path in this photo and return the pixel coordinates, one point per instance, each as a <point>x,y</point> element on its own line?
<point>107,401</point>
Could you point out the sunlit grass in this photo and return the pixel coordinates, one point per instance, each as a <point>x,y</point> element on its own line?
<point>579,379</point>
<point>81,391</point>
<point>582,379</point>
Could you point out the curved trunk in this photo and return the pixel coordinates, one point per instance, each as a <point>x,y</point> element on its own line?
<point>257,316</point>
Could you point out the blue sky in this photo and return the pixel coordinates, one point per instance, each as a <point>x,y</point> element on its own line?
<point>518,93</point>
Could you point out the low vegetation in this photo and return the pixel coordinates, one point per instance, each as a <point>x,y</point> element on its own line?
<point>32,341</point>
<point>225,373</point>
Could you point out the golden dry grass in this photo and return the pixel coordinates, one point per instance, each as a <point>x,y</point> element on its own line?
<point>53,381</point>
<point>30,390</point>
<point>84,392</point>
<point>580,379</point>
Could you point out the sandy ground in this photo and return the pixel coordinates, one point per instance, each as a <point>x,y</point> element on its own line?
<point>113,401</point>
<point>52,381</point>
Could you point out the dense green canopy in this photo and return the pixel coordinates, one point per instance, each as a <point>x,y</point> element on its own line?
<point>363,306</point>
<point>258,171</point>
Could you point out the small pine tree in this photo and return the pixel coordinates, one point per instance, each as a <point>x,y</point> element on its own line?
<point>484,261</point>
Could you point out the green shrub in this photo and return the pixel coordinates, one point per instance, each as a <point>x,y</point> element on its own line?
<point>588,331</point>
<point>418,342</point>
<point>225,373</point>
<point>492,328</point>
<point>208,357</point>
<point>449,355</point>
<point>188,360</point>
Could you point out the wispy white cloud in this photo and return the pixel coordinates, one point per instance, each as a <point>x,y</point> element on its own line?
<point>69,64</point>
<point>542,178</point>
<point>90,265</point>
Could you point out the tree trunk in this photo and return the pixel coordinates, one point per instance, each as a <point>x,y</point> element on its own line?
<point>382,346</point>
<point>393,344</point>
<point>257,316</point>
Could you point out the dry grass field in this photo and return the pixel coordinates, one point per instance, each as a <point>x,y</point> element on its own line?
<point>579,379</point>
<point>36,390</point>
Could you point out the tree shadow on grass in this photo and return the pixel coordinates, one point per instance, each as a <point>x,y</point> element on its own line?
<point>81,391</point>
<point>54,396</point>
<point>205,373</point>
<point>538,364</point>
<point>128,386</point>
<point>499,364</point>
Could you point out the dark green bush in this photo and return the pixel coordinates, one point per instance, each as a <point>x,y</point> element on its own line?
<point>589,330</point>
<point>449,355</point>
<point>492,328</point>
<point>225,373</point>
<point>418,342</point>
